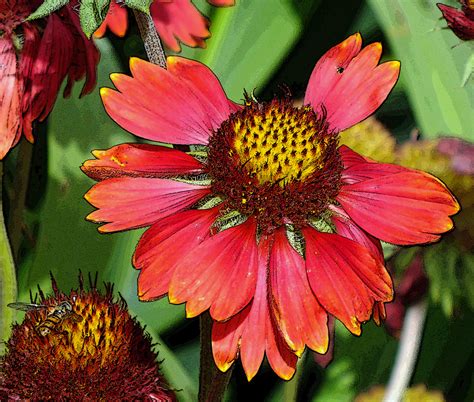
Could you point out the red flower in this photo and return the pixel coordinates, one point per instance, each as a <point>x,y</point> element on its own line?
<point>460,21</point>
<point>35,57</point>
<point>175,20</point>
<point>266,221</point>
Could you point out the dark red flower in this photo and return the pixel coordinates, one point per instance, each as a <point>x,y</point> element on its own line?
<point>35,58</point>
<point>266,222</point>
<point>461,21</point>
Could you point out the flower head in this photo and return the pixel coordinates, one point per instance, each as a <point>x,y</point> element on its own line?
<point>176,21</point>
<point>81,346</point>
<point>36,56</point>
<point>266,222</point>
<point>461,21</point>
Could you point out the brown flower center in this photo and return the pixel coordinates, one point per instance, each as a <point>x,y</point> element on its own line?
<point>275,161</point>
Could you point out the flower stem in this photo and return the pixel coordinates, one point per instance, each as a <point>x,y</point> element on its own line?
<point>8,291</point>
<point>212,381</point>
<point>407,354</point>
<point>18,197</point>
<point>151,39</point>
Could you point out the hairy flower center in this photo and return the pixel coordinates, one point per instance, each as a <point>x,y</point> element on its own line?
<point>276,162</point>
<point>278,143</point>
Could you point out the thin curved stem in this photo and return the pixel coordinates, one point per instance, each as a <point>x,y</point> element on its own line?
<point>151,39</point>
<point>407,354</point>
<point>8,289</point>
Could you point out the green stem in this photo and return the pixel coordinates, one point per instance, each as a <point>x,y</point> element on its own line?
<point>8,290</point>
<point>212,381</point>
<point>18,197</point>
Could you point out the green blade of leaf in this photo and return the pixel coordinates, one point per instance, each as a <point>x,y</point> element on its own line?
<point>141,5</point>
<point>91,14</point>
<point>48,7</point>
<point>432,70</point>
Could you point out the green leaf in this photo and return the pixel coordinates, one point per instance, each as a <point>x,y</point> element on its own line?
<point>8,286</point>
<point>433,80</point>
<point>48,7</point>
<point>441,264</point>
<point>91,14</point>
<point>141,5</point>
<point>248,43</point>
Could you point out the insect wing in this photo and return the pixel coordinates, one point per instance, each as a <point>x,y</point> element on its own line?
<point>26,306</point>
<point>75,317</point>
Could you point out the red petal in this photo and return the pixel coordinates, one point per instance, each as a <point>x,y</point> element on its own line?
<point>298,314</point>
<point>182,105</point>
<point>253,331</point>
<point>163,245</point>
<point>10,112</point>
<point>116,21</point>
<point>379,313</point>
<point>345,277</point>
<point>220,273</point>
<point>397,205</point>
<point>129,202</point>
<point>140,160</point>
<point>346,227</point>
<point>325,74</point>
<point>179,20</point>
<point>354,93</point>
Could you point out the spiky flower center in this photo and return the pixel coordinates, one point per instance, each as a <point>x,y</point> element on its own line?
<point>278,143</point>
<point>276,162</point>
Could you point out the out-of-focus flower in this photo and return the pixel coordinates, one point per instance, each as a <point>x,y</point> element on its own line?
<point>461,21</point>
<point>266,221</point>
<point>418,393</point>
<point>175,20</point>
<point>411,288</point>
<point>35,58</point>
<point>452,160</point>
<point>83,346</point>
<point>371,139</point>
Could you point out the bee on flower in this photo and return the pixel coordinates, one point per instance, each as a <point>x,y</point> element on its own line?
<point>266,222</point>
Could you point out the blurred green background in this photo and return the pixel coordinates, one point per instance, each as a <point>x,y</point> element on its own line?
<point>258,45</point>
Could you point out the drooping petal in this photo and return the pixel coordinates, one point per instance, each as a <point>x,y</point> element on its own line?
<point>137,160</point>
<point>345,277</point>
<point>219,274</point>
<point>10,104</point>
<point>181,105</point>
<point>179,20</point>
<point>346,227</point>
<point>116,21</point>
<point>355,87</point>
<point>163,245</point>
<point>298,314</point>
<point>396,204</point>
<point>459,22</point>
<point>252,331</point>
<point>221,3</point>
<point>133,202</point>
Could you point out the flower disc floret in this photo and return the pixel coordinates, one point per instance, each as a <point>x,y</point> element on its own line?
<point>276,162</point>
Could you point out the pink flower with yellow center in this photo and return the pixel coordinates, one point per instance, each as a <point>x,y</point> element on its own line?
<point>175,20</point>
<point>266,221</point>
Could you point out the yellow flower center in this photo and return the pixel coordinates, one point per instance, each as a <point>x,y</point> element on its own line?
<point>279,143</point>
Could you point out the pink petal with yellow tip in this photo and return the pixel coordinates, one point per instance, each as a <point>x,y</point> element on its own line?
<point>133,202</point>
<point>345,277</point>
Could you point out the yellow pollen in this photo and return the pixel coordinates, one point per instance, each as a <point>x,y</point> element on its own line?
<point>279,144</point>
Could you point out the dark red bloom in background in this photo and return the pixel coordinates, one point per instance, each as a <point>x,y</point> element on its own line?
<point>461,21</point>
<point>35,58</point>
<point>176,21</point>
<point>267,221</point>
